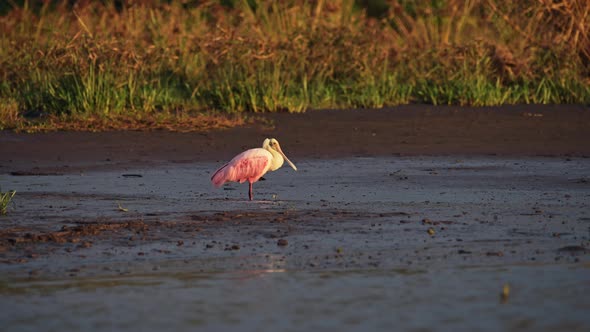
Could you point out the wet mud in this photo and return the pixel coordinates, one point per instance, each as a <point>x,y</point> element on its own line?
<point>371,212</point>
<point>529,130</point>
<point>423,239</point>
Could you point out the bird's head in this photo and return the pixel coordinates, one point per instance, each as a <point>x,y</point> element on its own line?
<point>273,144</point>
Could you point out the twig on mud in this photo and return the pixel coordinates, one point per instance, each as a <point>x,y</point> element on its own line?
<point>120,208</point>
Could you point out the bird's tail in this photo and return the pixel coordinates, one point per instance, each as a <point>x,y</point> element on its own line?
<point>220,176</point>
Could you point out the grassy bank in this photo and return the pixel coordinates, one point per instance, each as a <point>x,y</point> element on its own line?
<point>136,64</point>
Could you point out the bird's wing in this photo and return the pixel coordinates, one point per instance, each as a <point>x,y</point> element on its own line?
<point>249,165</point>
<point>218,178</point>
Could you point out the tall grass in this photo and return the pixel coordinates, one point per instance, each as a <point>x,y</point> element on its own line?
<point>138,60</point>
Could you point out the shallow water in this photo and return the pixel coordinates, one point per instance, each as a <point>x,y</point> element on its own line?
<point>542,298</point>
<point>358,254</point>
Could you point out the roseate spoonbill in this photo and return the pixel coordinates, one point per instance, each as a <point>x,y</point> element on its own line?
<point>252,164</point>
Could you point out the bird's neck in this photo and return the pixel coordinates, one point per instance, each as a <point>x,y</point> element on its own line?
<point>277,160</point>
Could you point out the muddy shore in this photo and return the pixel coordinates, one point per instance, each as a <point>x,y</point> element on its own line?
<point>537,130</point>
<point>440,204</point>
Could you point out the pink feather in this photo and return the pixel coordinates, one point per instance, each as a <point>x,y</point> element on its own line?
<point>248,166</point>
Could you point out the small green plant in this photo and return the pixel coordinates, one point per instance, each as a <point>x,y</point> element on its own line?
<point>5,199</point>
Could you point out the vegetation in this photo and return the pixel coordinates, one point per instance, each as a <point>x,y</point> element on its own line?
<point>5,199</point>
<point>95,65</point>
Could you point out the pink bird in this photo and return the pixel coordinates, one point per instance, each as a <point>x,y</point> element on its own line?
<point>251,165</point>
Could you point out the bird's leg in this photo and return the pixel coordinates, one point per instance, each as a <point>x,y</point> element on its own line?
<point>250,191</point>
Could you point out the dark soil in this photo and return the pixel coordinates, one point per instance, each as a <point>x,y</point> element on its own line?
<point>526,130</point>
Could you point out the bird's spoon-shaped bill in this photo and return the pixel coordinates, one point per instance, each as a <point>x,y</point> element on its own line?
<point>285,157</point>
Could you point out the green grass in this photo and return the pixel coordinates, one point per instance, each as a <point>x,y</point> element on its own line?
<point>108,65</point>
<point>5,199</point>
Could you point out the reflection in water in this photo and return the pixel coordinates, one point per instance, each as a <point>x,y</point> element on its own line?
<point>295,300</point>
<point>273,264</point>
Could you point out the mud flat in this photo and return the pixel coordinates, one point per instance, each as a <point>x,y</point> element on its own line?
<point>421,239</point>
